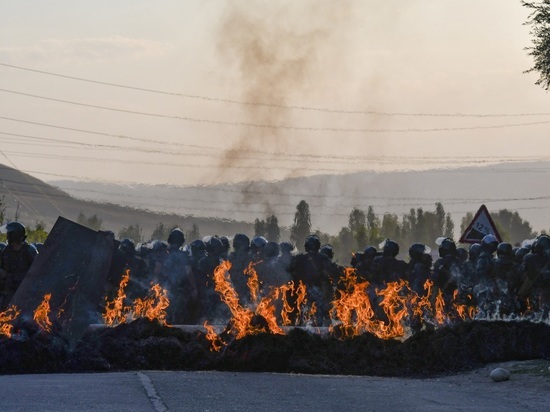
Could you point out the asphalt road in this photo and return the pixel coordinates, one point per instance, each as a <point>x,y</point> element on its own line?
<point>528,389</point>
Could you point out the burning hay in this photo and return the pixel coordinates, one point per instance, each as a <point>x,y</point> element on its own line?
<point>363,338</point>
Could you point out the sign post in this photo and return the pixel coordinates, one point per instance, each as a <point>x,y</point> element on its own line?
<point>482,224</point>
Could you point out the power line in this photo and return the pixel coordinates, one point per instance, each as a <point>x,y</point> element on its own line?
<point>278,156</point>
<point>274,157</point>
<point>424,201</point>
<point>267,104</point>
<point>283,126</point>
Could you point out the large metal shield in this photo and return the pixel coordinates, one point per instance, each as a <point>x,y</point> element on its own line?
<point>73,267</point>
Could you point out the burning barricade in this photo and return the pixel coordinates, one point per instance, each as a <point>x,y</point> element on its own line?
<point>367,327</point>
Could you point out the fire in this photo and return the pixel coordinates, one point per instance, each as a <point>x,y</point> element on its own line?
<point>41,314</point>
<point>253,282</point>
<point>212,336</point>
<point>115,311</point>
<point>242,317</point>
<point>8,315</point>
<point>154,306</point>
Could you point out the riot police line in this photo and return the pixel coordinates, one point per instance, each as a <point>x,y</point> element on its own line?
<point>494,277</point>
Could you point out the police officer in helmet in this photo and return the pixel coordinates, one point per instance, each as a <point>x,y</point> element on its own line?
<point>15,260</point>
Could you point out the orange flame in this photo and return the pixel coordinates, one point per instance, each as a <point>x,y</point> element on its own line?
<point>154,306</point>
<point>212,336</point>
<point>8,315</point>
<point>241,316</point>
<point>115,311</point>
<point>440,315</point>
<point>253,282</point>
<point>41,314</point>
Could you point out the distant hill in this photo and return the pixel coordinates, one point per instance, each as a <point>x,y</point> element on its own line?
<point>515,186</point>
<point>36,201</point>
<point>232,208</point>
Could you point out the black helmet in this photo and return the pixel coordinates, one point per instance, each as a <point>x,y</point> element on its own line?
<point>505,249</point>
<point>214,246</point>
<point>417,250</point>
<point>15,232</point>
<point>241,242</point>
<point>198,248</point>
<point>327,251</point>
<point>176,237</point>
<point>370,252</point>
<point>542,243</point>
<point>489,243</point>
<point>312,243</point>
<point>474,251</point>
<point>225,243</point>
<point>462,254</point>
<point>271,249</point>
<point>127,247</point>
<point>391,248</point>
<point>2,246</point>
<point>286,248</point>
<point>520,253</point>
<point>447,247</point>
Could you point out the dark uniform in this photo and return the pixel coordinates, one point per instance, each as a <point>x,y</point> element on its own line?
<point>15,260</point>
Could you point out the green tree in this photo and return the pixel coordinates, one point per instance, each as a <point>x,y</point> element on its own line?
<point>92,222</point>
<point>259,227</point>
<point>302,225</point>
<point>539,22</point>
<point>37,234</point>
<point>272,231</point>
<point>194,233</point>
<point>391,228</point>
<point>345,243</point>
<point>465,222</point>
<point>449,226</point>
<point>373,226</point>
<point>160,233</point>
<point>357,224</point>
<point>2,210</point>
<point>131,232</point>
<point>512,227</point>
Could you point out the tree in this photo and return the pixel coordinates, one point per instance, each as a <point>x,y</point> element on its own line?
<point>194,233</point>
<point>373,226</point>
<point>259,227</point>
<point>302,225</point>
<point>92,222</point>
<point>512,227</point>
<point>539,21</point>
<point>465,222</point>
<point>357,224</point>
<point>160,232</point>
<point>38,234</point>
<point>131,232</point>
<point>272,231</point>
<point>449,226</point>
<point>2,210</point>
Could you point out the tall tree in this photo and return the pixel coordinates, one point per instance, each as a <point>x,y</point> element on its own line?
<point>512,227</point>
<point>373,226</point>
<point>272,231</point>
<point>357,224</point>
<point>194,233</point>
<point>92,222</point>
<point>160,232</point>
<point>132,232</point>
<point>539,21</point>
<point>449,226</point>
<point>259,227</point>
<point>302,225</point>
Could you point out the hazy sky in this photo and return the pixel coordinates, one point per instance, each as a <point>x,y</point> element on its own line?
<point>217,90</point>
